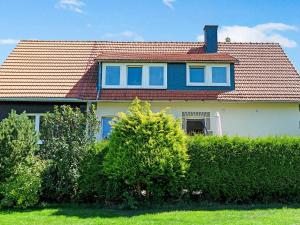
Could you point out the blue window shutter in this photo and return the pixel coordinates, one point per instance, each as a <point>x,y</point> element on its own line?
<point>106,127</point>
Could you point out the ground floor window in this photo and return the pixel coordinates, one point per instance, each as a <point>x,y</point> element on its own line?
<point>106,127</point>
<point>37,120</point>
<point>196,123</point>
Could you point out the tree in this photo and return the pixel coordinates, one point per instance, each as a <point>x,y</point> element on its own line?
<point>67,134</point>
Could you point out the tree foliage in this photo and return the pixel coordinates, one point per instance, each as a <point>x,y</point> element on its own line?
<point>67,135</point>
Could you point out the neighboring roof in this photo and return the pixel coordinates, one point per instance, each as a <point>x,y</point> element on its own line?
<point>165,57</point>
<point>68,69</point>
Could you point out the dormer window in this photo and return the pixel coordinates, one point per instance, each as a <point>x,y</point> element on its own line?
<point>196,75</point>
<point>156,76</point>
<point>112,77</point>
<point>219,75</point>
<point>207,75</point>
<point>134,75</point>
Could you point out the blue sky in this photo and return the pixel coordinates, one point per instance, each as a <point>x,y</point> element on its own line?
<point>150,20</point>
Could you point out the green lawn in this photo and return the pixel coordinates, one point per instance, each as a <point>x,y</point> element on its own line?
<point>204,214</point>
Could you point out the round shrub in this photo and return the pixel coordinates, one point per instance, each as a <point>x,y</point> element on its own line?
<point>147,158</point>
<point>22,189</point>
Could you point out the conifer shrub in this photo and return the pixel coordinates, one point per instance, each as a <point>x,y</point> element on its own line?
<point>147,158</point>
<point>20,168</point>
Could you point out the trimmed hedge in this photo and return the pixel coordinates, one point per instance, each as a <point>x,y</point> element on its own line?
<point>245,169</point>
<point>92,183</point>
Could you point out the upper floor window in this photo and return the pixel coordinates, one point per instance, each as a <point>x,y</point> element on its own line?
<point>133,75</point>
<point>208,75</point>
<point>197,74</point>
<point>112,75</point>
<point>219,75</point>
<point>156,75</point>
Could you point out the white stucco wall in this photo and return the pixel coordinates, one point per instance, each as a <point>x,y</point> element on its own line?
<point>244,119</point>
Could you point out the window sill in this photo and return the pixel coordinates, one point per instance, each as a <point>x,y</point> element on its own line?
<point>208,84</point>
<point>135,87</point>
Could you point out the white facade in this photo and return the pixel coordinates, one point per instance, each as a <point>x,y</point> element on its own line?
<point>239,118</point>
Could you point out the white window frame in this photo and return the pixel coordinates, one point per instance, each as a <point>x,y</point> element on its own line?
<point>197,116</point>
<point>165,77</point>
<point>37,120</point>
<point>207,74</point>
<point>104,75</point>
<point>145,76</point>
<point>126,76</point>
<point>188,77</point>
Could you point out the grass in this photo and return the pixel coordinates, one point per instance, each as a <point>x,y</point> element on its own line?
<point>202,214</point>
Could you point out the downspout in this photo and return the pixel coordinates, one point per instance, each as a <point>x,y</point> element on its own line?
<point>219,125</point>
<point>99,80</point>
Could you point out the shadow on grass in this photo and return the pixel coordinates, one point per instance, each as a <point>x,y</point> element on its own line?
<point>92,211</point>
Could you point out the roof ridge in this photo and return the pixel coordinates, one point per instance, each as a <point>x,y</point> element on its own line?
<point>232,42</point>
<point>111,41</point>
<point>107,41</point>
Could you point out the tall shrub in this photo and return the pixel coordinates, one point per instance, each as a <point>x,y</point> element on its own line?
<point>147,157</point>
<point>20,169</point>
<point>67,135</point>
<point>17,141</point>
<point>236,169</point>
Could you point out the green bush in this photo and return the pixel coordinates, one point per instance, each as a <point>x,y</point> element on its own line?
<point>22,189</point>
<point>67,136</point>
<point>245,169</point>
<point>20,169</point>
<point>92,181</point>
<point>147,157</point>
<point>17,141</point>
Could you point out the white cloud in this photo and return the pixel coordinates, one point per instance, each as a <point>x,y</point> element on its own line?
<point>267,32</point>
<point>123,36</point>
<point>72,5</point>
<point>169,3</point>
<point>8,41</point>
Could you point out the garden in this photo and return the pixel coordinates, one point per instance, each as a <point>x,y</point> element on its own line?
<point>148,172</point>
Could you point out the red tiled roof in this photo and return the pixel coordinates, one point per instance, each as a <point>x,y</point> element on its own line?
<point>165,57</point>
<point>68,69</point>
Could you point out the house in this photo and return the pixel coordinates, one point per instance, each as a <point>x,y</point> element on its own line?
<point>247,89</point>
